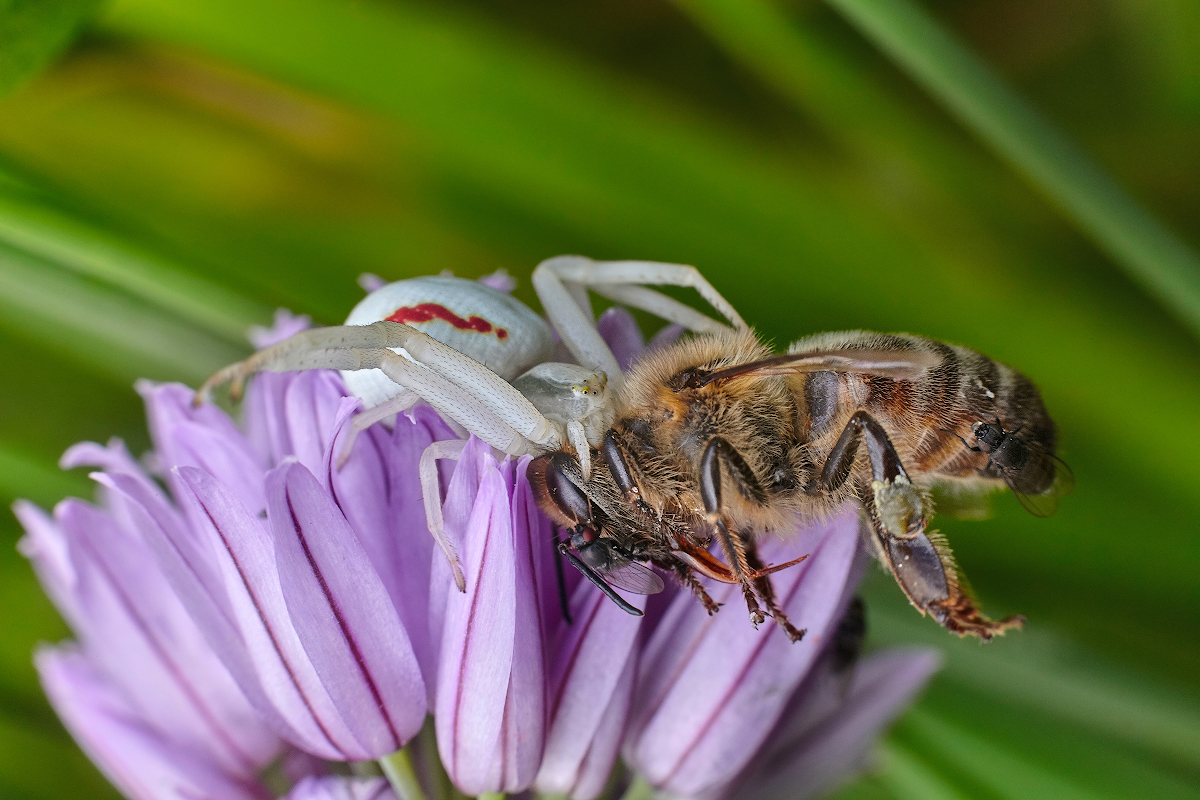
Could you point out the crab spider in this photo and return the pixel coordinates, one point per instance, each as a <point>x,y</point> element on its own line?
<point>484,367</point>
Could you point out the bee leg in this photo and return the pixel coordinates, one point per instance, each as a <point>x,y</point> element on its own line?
<point>899,506</point>
<point>719,452</point>
<point>687,577</point>
<point>924,567</point>
<point>766,591</point>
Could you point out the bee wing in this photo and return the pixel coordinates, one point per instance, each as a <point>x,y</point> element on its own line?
<point>634,577</point>
<point>1046,503</point>
<point>898,364</point>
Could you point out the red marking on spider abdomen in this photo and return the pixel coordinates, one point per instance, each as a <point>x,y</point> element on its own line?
<point>426,312</point>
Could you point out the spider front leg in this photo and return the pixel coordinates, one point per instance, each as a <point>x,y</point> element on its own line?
<point>457,386</point>
<point>562,283</point>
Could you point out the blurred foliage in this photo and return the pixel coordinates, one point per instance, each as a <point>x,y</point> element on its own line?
<point>191,164</point>
<point>34,31</point>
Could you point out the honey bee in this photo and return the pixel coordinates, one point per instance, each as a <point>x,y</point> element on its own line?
<point>717,439</point>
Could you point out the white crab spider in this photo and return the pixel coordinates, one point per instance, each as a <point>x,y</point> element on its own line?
<point>392,365</point>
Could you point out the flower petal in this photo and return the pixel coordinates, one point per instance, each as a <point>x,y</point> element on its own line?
<point>343,614</point>
<point>313,402</point>
<point>594,663</point>
<point>244,558</point>
<point>523,735</point>
<point>478,642</point>
<point>814,748</point>
<point>595,770</point>
<point>138,760</point>
<point>711,688</point>
<point>285,325</point>
<point>335,787</point>
<point>621,333</point>
<point>45,545</point>
<point>461,492</point>
<point>169,406</point>
<point>137,631</point>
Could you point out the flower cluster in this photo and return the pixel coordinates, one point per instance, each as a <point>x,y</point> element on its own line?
<point>250,618</point>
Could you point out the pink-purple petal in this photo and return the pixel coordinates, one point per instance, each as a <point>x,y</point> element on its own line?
<point>826,732</point>
<point>335,787</point>
<point>595,770</point>
<point>591,680</point>
<point>137,631</point>
<point>142,762</point>
<point>245,563</point>
<point>729,683</point>
<point>285,325</point>
<point>522,738</point>
<point>343,614</point>
<point>478,642</point>
<point>621,333</point>
<point>45,545</point>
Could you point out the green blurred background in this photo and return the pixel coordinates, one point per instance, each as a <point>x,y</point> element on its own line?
<point>172,170</point>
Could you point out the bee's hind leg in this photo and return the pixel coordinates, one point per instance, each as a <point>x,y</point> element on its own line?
<point>899,506</point>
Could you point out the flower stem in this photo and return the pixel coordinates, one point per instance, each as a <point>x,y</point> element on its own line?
<point>400,775</point>
<point>639,789</point>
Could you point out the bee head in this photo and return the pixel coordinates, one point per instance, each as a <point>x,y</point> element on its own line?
<point>990,435</point>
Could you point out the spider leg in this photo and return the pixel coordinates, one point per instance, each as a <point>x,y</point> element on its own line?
<point>361,421</point>
<point>562,283</point>
<point>457,386</point>
<point>431,494</point>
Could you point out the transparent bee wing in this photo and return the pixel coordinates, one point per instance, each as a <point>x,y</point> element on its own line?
<point>1046,503</point>
<point>901,365</point>
<point>634,577</point>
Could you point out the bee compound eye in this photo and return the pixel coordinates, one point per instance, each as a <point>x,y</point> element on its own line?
<point>569,498</point>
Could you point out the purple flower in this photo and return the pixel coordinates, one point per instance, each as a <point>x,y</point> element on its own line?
<point>711,687</point>
<point>268,604</point>
<point>133,629</point>
<point>139,759</point>
<point>338,788</point>
<point>491,694</point>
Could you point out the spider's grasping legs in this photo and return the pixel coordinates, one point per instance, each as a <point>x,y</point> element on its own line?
<point>431,493</point>
<point>559,281</point>
<point>454,384</point>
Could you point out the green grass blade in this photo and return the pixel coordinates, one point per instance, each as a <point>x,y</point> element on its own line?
<point>1042,672</point>
<point>70,244</point>
<point>909,778</point>
<point>1151,253</point>
<point>104,328</point>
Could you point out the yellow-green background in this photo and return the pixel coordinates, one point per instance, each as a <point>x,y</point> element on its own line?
<point>185,166</point>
